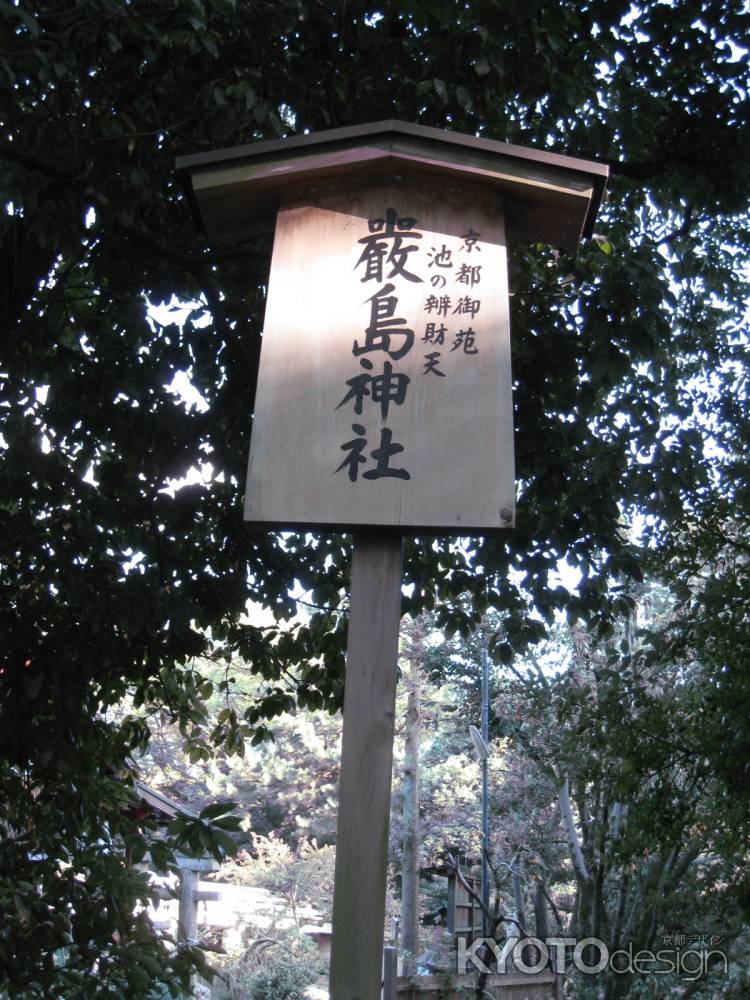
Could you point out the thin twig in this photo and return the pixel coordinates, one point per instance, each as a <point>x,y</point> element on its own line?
<point>553,905</point>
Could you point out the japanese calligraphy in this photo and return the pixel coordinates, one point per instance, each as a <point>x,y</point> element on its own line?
<point>471,241</point>
<point>434,334</point>
<point>384,325</point>
<point>385,247</point>
<point>468,274</point>
<point>465,339</point>
<point>468,306</point>
<point>439,304</point>
<point>431,364</point>
<point>388,255</point>
<point>385,388</point>
<point>382,455</point>
<point>439,258</point>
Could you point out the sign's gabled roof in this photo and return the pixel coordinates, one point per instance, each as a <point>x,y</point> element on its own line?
<point>548,197</point>
<point>166,809</point>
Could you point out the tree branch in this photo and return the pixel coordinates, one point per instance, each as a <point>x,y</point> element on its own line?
<point>195,264</point>
<point>682,230</point>
<point>645,170</point>
<point>553,906</point>
<point>574,844</point>
<point>50,168</point>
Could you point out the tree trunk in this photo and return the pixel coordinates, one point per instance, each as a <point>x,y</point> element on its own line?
<point>410,807</point>
<point>518,897</point>
<point>541,912</point>
<point>571,834</point>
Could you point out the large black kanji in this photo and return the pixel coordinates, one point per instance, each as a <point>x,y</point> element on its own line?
<point>385,247</point>
<point>384,325</point>
<point>386,388</point>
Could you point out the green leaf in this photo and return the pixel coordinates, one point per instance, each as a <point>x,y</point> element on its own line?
<point>18,11</point>
<point>464,98</point>
<point>217,809</point>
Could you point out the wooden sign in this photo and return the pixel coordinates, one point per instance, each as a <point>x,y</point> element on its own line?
<point>384,390</point>
<point>464,913</point>
<point>384,395</point>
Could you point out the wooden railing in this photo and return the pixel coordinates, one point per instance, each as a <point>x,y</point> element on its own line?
<point>499,986</point>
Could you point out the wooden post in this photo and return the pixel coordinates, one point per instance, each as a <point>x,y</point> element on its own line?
<point>410,808</point>
<point>190,870</point>
<point>366,760</point>
<point>390,962</point>
<point>188,916</point>
<point>486,929</point>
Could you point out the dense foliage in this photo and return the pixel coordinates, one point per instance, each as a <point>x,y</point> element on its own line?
<point>662,839</point>
<point>629,368</point>
<point>662,835</point>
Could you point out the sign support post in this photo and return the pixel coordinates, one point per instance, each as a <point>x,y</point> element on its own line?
<point>366,759</point>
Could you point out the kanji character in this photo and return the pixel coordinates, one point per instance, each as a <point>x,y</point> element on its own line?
<point>434,334</point>
<point>377,252</point>
<point>439,258</point>
<point>432,361</point>
<point>470,241</point>
<point>386,388</point>
<point>465,339</point>
<point>382,455</point>
<point>384,326</point>
<point>466,274</point>
<point>468,306</point>
<point>439,304</point>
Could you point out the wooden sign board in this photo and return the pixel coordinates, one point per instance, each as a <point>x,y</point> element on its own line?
<point>384,390</point>
<point>464,913</point>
